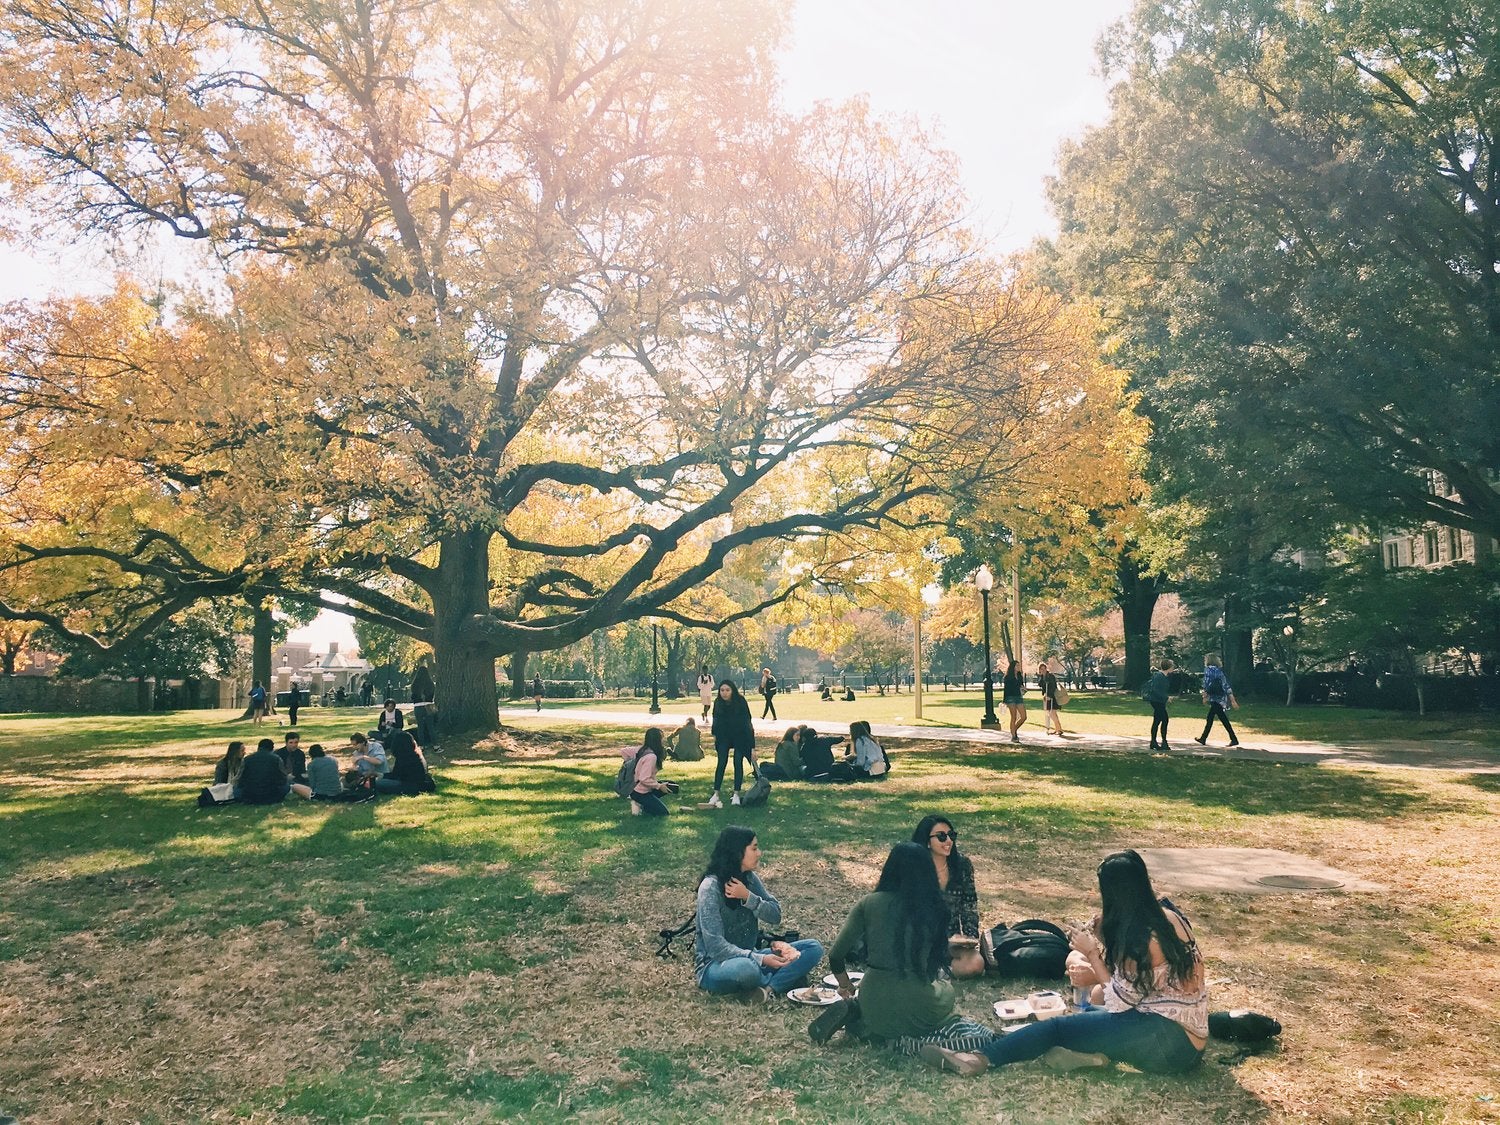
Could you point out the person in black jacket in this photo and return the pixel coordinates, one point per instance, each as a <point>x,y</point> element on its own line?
<point>263,780</point>
<point>818,763</point>
<point>423,692</point>
<point>293,760</point>
<point>407,775</point>
<point>733,730</point>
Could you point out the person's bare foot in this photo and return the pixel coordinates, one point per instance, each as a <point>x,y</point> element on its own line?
<point>1061,1058</point>
<point>964,1063</point>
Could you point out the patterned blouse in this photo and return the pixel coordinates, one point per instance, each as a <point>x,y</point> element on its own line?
<point>961,897</point>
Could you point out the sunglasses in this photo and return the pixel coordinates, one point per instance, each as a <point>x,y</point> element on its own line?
<point>944,837</point>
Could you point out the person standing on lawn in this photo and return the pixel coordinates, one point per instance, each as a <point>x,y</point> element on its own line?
<point>1158,692</point>
<point>734,731</point>
<point>293,703</point>
<point>733,904</point>
<point>1219,698</point>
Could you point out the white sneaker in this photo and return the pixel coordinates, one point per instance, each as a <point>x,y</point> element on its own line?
<point>735,799</point>
<point>714,802</point>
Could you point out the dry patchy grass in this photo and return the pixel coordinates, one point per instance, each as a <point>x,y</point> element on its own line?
<point>486,954</point>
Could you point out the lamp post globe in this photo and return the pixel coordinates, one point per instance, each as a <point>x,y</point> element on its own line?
<point>984,582</point>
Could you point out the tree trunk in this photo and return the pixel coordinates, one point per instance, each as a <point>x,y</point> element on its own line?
<point>1136,594</point>
<point>262,632</point>
<point>518,673</point>
<point>467,700</point>
<point>1291,683</point>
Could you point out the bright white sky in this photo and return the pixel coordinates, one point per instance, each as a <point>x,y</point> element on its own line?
<point>1000,83</point>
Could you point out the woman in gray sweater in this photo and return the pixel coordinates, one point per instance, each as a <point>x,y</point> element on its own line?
<point>732,905</point>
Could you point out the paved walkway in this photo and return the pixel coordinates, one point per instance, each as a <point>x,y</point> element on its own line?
<point>1459,756</point>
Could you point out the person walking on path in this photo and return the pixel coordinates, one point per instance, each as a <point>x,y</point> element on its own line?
<point>768,689</point>
<point>1013,695</point>
<point>1157,692</point>
<point>733,730</point>
<point>1048,683</point>
<point>1219,697</point>
<point>705,690</point>
<point>257,703</point>
<point>536,691</point>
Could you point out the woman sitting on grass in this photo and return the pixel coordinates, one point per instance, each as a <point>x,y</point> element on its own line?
<point>955,876</point>
<point>229,767</point>
<point>645,797</point>
<point>407,776</point>
<point>868,760</point>
<point>732,905</point>
<point>816,751</point>
<point>1155,1013</point>
<point>905,999</point>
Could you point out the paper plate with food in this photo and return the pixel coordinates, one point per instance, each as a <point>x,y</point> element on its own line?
<point>817,996</point>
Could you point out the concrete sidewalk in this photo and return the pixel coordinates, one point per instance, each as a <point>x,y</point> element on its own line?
<point>1463,757</point>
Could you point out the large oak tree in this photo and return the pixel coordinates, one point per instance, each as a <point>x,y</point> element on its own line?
<point>534,315</point>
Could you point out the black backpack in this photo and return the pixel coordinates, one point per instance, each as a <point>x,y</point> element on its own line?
<point>1030,948</point>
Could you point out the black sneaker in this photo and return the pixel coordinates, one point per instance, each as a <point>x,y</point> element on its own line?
<point>1202,741</point>
<point>829,1020</point>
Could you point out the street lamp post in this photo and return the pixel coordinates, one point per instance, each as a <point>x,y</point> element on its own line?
<point>985,582</point>
<point>655,708</point>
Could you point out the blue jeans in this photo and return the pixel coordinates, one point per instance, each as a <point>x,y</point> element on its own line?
<point>651,804</point>
<point>740,974</point>
<point>1145,1040</point>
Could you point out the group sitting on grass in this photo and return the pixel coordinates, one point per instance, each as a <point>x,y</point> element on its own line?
<point>391,764</point>
<point>802,755</point>
<point>1135,963</point>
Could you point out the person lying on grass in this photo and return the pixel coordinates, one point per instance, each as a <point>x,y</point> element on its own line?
<point>905,999</point>
<point>732,905</point>
<point>955,876</point>
<point>1155,997</point>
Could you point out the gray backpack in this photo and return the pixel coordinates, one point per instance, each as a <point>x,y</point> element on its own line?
<point>625,779</point>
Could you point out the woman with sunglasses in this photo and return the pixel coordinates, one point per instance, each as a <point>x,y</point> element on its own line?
<point>1155,1014</point>
<point>955,876</point>
<point>905,999</point>
<point>732,905</point>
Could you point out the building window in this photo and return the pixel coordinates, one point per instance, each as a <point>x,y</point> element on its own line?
<point>1430,546</point>
<point>1393,555</point>
<point>1455,543</point>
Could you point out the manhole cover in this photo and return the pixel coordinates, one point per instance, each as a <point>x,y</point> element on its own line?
<point>1299,882</point>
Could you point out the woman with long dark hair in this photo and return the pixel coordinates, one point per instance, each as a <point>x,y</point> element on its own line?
<point>955,876</point>
<point>905,999</point>
<point>645,795</point>
<point>1013,695</point>
<point>227,769</point>
<point>1155,1013</point>
<point>733,731</point>
<point>1048,683</point>
<point>732,905</point>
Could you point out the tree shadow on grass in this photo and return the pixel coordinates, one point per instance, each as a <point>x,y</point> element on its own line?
<point>1252,788</point>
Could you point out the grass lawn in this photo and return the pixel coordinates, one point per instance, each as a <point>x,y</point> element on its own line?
<point>1264,722</point>
<point>486,954</point>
